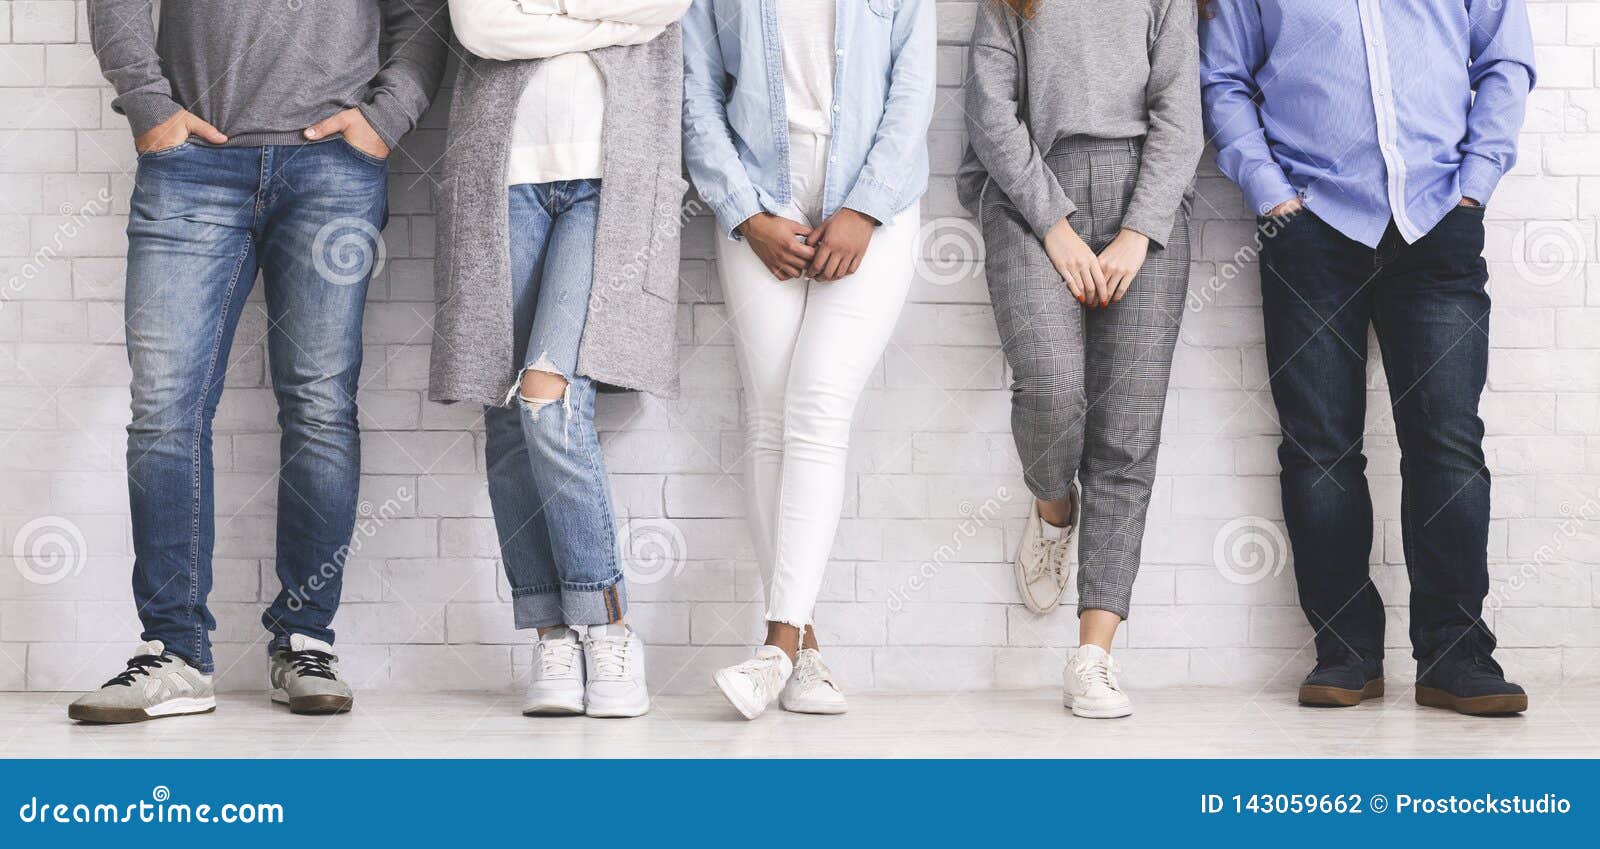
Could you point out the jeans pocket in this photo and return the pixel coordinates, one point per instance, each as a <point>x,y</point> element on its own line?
<point>362,155</point>
<point>180,147</point>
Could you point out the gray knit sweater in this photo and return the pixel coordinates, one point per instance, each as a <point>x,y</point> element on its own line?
<point>1084,68</point>
<point>262,71</point>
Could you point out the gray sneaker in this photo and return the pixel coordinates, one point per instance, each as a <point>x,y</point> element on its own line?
<point>154,685</point>
<point>305,676</point>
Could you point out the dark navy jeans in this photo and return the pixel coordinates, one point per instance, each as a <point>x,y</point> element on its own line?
<point>203,221</point>
<point>1428,305</point>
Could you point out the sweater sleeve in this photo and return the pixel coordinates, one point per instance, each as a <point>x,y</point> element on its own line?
<point>1174,141</point>
<point>651,13</point>
<point>415,46</point>
<point>123,35</point>
<point>510,30</point>
<point>999,137</point>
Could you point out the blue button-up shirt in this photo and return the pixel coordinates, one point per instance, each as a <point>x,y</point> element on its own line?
<point>1366,108</point>
<point>735,127</point>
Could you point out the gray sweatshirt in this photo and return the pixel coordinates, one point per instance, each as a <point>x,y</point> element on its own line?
<point>261,71</point>
<point>1084,68</point>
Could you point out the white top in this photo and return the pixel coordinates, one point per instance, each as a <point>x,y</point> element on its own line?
<point>806,29</point>
<point>558,131</point>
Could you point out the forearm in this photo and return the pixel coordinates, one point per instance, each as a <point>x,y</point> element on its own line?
<point>503,30</point>
<point>1174,140</point>
<point>1502,75</point>
<point>908,111</point>
<point>416,46</point>
<point>123,35</point>
<point>651,13</point>
<point>1231,49</point>
<point>708,148</point>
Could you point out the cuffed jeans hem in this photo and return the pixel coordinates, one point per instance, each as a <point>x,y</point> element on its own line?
<point>570,604</point>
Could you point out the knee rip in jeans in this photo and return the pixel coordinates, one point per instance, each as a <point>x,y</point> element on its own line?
<point>534,386</point>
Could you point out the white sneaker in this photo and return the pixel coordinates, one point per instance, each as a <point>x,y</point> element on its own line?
<point>1090,685</point>
<point>1044,565</point>
<point>811,689</point>
<point>614,659</point>
<point>753,685</point>
<point>557,685</point>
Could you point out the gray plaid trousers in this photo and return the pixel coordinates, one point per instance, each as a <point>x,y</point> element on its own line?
<point>1089,386</point>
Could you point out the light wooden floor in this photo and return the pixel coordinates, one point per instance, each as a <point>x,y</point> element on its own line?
<point>1171,723</point>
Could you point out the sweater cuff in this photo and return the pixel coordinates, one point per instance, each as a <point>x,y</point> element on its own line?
<point>1045,216</point>
<point>1479,177</point>
<point>147,111</point>
<point>735,209</point>
<point>387,118</point>
<point>1266,187</point>
<point>1152,225</point>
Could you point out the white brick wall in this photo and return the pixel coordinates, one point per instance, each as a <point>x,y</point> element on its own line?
<point>920,595</point>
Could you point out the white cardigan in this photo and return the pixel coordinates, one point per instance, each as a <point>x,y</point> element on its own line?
<point>557,133</point>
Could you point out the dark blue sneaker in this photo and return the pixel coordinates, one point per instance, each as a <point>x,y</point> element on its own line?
<point>1467,680</point>
<point>1343,681</point>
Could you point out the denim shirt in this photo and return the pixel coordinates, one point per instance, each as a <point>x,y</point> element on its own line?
<point>735,125</point>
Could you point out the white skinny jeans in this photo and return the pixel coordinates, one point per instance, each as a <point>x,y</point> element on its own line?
<point>805,351</point>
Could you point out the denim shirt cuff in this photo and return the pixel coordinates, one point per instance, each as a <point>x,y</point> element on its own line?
<point>734,209</point>
<point>1479,177</point>
<point>873,198</point>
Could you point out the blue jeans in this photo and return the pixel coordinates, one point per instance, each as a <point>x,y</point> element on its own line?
<point>1427,302</point>
<point>203,221</point>
<point>547,479</point>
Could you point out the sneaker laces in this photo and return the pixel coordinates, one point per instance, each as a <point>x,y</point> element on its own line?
<point>139,665</point>
<point>811,670</point>
<point>763,673</point>
<point>557,658</point>
<point>1049,558</point>
<point>1099,671</point>
<point>610,656</point>
<point>311,663</point>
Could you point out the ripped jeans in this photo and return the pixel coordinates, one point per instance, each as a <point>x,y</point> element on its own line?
<point>547,480</point>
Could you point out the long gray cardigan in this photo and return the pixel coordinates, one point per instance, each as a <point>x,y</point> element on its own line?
<point>629,340</point>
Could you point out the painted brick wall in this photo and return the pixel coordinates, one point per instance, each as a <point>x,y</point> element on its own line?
<point>920,595</point>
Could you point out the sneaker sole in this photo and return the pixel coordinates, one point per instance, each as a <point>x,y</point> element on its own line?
<point>728,692</point>
<point>314,705</point>
<point>822,710</point>
<point>1500,705</point>
<point>1091,713</point>
<point>96,715</point>
<point>622,711</point>
<point>1322,695</point>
